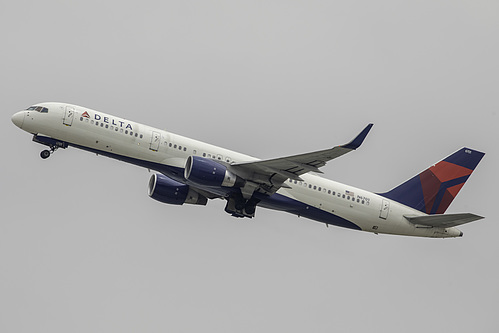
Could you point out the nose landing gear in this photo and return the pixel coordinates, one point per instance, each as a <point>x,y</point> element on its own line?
<point>46,153</point>
<point>53,144</point>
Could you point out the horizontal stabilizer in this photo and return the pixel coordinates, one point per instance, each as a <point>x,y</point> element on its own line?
<point>443,220</point>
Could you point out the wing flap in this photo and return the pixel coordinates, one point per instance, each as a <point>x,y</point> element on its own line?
<point>443,220</point>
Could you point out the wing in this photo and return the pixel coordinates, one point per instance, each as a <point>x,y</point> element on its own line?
<point>443,220</point>
<point>270,175</point>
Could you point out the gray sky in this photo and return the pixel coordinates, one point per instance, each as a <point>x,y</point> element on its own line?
<point>83,248</point>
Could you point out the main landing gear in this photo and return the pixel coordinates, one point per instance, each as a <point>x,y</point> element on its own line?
<point>237,206</point>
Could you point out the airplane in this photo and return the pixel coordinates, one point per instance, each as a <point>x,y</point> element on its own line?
<point>188,171</point>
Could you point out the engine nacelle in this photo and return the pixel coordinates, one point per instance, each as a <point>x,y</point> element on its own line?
<point>167,190</point>
<point>204,171</point>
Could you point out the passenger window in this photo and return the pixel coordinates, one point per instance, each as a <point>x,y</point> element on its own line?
<point>81,118</point>
<point>107,126</point>
<point>101,124</point>
<point>141,136</point>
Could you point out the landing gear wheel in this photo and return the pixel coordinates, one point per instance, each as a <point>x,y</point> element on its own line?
<point>250,206</point>
<point>250,209</point>
<point>45,154</point>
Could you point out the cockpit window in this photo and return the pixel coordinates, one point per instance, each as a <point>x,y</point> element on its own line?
<point>40,109</point>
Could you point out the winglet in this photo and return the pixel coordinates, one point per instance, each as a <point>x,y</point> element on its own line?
<point>355,143</point>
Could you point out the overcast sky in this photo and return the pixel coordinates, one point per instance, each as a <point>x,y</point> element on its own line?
<point>84,249</point>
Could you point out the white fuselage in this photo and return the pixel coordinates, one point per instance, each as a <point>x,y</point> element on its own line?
<point>151,147</point>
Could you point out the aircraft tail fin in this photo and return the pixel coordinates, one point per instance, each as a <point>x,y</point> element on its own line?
<point>433,190</point>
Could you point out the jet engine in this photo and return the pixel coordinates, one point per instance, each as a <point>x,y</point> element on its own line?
<point>167,190</point>
<point>204,171</point>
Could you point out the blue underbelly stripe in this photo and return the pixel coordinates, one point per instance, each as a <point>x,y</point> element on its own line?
<point>283,203</point>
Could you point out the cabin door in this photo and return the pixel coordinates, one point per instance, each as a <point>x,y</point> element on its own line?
<point>155,140</point>
<point>385,208</point>
<point>68,116</point>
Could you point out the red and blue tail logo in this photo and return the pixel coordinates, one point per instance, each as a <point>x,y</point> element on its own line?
<point>433,190</point>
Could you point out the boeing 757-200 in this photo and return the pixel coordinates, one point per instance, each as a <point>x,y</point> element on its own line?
<point>191,172</point>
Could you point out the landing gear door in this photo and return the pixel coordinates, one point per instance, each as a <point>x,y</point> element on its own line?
<point>68,116</point>
<point>155,140</point>
<point>385,208</point>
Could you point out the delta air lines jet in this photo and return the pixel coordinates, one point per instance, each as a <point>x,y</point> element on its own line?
<point>191,172</point>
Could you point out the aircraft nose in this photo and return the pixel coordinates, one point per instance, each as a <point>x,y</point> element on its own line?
<point>18,119</point>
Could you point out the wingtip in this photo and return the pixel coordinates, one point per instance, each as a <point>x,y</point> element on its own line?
<point>355,143</point>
